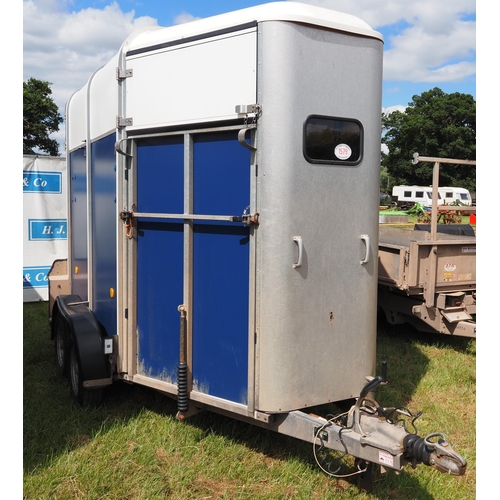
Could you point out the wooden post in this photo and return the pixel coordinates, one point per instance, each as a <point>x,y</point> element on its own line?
<point>435,183</point>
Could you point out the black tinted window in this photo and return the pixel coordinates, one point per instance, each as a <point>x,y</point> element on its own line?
<point>332,140</point>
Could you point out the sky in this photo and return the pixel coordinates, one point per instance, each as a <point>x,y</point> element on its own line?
<point>427,43</point>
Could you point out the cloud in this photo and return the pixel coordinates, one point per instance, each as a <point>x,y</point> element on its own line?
<point>436,16</point>
<point>417,55</point>
<point>184,17</point>
<point>391,109</point>
<point>65,48</point>
<point>435,41</point>
<point>425,41</point>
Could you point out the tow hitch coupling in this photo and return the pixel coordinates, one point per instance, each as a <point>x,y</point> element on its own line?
<point>434,451</point>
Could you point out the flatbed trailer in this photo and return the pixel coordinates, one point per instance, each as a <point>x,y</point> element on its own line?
<point>428,278</point>
<point>429,283</point>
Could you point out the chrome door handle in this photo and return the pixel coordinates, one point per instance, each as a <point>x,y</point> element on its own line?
<point>298,240</point>
<point>366,239</point>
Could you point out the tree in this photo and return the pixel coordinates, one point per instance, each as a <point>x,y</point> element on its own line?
<point>434,124</point>
<point>40,118</point>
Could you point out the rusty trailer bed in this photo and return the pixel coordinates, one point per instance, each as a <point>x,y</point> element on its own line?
<point>428,283</point>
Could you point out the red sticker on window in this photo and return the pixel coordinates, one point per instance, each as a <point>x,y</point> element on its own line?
<point>343,151</point>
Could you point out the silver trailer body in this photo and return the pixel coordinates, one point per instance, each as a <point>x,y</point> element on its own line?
<point>308,326</point>
<point>215,254</point>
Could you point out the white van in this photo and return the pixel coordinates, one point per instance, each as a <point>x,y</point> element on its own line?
<point>452,194</point>
<point>414,194</point>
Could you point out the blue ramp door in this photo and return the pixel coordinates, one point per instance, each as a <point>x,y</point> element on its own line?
<point>160,184</point>
<point>220,268</point>
<point>217,263</point>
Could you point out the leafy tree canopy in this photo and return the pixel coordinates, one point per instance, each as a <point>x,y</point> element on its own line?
<point>434,124</point>
<point>40,118</point>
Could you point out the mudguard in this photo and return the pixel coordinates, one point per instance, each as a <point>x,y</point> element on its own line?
<point>87,334</point>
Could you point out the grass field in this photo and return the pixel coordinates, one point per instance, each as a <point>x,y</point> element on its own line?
<point>413,219</point>
<point>132,447</point>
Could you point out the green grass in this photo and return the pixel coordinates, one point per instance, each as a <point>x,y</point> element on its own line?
<point>132,447</point>
<point>465,219</point>
<point>413,219</point>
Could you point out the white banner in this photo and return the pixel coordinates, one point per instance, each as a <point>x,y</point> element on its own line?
<point>45,222</point>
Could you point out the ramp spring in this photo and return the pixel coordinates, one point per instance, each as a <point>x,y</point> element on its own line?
<point>182,392</point>
<point>182,376</point>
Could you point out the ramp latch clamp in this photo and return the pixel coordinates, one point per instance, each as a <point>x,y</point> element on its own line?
<point>247,218</point>
<point>127,217</point>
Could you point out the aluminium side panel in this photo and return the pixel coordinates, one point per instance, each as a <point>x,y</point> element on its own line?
<point>76,120</point>
<point>315,323</point>
<point>103,98</point>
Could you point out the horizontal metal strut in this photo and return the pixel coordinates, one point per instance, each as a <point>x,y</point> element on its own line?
<point>229,218</point>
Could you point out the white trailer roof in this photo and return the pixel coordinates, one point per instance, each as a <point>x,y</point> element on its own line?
<point>104,102</point>
<point>274,11</point>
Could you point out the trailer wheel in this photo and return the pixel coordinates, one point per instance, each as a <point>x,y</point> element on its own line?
<point>61,346</point>
<point>82,395</point>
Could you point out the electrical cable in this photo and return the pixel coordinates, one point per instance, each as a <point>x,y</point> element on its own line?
<point>320,465</point>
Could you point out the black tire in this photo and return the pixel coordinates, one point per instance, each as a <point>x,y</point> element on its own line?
<point>61,345</point>
<point>82,395</point>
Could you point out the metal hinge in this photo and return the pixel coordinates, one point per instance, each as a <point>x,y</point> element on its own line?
<point>123,122</point>
<point>406,259</point>
<point>121,73</point>
<point>245,109</point>
<point>249,109</point>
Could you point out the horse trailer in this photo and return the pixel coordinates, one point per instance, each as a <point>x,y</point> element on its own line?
<point>214,251</point>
